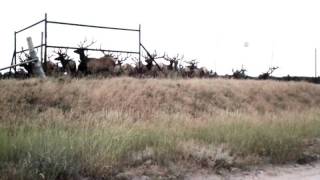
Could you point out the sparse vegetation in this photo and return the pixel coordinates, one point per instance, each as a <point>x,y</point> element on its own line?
<point>69,128</point>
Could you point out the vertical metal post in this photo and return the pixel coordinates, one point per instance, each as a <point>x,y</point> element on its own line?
<point>45,41</point>
<point>139,46</point>
<point>41,50</point>
<point>315,63</point>
<point>15,50</point>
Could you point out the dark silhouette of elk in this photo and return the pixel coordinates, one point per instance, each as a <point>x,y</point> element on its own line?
<point>151,68</point>
<point>192,70</point>
<point>119,68</point>
<point>21,74</point>
<point>173,61</point>
<point>192,64</point>
<point>203,72</point>
<point>138,67</point>
<point>51,68</point>
<point>239,74</point>
<point>68,65</point>
<point>94,65</point>
<point>27,66</point>
<point>7,75</point>
<point>120,60</point>
<point>267,74</point>
<point>195,71</point>
<point>213,74</point>
<point>151,58</point>
<point>189,70</point>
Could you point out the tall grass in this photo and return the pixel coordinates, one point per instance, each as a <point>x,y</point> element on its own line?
<point>95,128</point>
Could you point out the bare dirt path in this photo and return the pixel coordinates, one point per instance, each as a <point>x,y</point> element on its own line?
<point>287,172</point>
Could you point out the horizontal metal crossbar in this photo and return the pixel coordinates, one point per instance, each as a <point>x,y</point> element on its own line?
<point>92,26</point>
<point>28,49</point>
<point>90,49</point>
<point>30,26</point>
<point>32,60</point>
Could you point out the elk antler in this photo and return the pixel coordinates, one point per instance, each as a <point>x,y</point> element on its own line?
<point>108,54</point>
<point>153,56</point>
<point>82,43</point>
<point>24,53</point>
<point>20,57</point>
<point>272,69</point>
<point>175,58</point>
<point>120,59</point>
<point>61,53</point>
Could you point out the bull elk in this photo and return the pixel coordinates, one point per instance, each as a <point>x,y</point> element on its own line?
<point>150,58</point>
<point>267,74</point>
<point>120,68</point>
<point>173,61</point>
<point>26,66</point>
<point>149,68</point>
<point>190,69</point>
<point>68,65</point>
<point>52,69</point>
<point>94,65</point>
<point>239,74</point>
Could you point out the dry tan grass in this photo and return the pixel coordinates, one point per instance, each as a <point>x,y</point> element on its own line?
<point>141,98</point>
<point>86,125</point>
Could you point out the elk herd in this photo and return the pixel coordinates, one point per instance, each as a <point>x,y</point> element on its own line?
<point>112,64</point>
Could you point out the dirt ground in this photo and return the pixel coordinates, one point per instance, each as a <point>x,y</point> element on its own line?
<point>286,172</point>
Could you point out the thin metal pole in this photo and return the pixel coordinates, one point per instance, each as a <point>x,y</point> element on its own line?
<point>15,65</point>
<point>15,50</point>
<point>150,56</point>
<point>45,41</point>
<point>12,61</point>
<point>315,63</point>
<point>41,50</point>
<point>90,49</point>
<point>36,47</point>
<point>30,26</point>
<point>139,46</point>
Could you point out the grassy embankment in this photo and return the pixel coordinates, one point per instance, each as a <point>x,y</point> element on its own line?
<point>98,128</point>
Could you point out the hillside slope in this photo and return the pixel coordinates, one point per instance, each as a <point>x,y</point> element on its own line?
<point>192,97</point>
<point>107,127</point>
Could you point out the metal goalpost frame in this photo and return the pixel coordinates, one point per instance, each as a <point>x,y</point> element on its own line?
<point>44,40</point>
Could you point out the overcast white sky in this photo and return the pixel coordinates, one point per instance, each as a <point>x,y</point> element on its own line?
<point>212,31</point>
